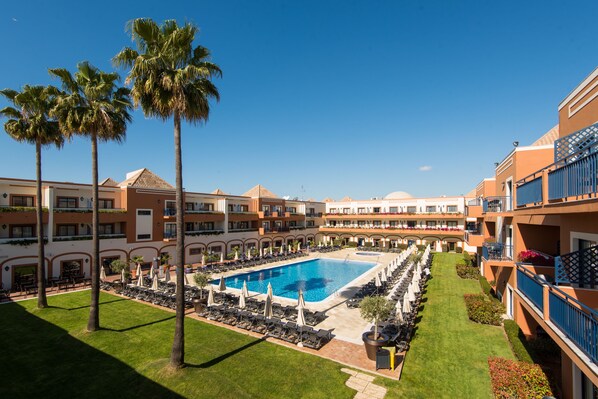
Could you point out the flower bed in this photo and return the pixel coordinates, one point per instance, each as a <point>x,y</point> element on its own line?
<point>482,310</point>
<point>513,379</point>
<point>535,258</point>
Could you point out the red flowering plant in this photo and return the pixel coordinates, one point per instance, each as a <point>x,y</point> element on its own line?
<point>536,258</point>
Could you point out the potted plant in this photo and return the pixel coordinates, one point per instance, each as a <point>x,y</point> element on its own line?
<point>137,260</point>
<point>117,266</point>
<point>164,261</point>
<point>373,309</point>
<point>201,280</point>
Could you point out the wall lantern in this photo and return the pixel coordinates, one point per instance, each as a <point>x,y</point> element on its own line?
<point>3,227</point>
<point>6,268</point>
<point>4,195</point>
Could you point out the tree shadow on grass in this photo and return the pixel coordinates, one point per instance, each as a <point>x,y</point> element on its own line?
<point>43,359</point>
<point>139,325</point>
<point>225,356</point>
<point>101,303</point>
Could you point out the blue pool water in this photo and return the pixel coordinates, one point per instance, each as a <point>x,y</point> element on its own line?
<point>318,278</point>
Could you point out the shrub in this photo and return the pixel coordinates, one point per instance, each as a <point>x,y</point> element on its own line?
<point>467,258</point>
<point>459,250</point>
<point>513,379</point>
<point>402,246</point>
<point>465,271</point>
<point>352,244</point>
<point>421,247</point>
<point>517,340</point>
<point>482,310</point>
<point>444,248</point>
<point>374,309</point>
<point>367,244</point>
<point>486,287</point>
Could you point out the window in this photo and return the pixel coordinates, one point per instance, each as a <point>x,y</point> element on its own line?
<point>292,223</point>
<point>377,223</point>
<point>431,223</point>
<point>346,223</point>
<point>66,230</point>
<point>194,251</point>
<point>411,223</point>
<point>106,261</point>
<point>206,226</point>
<point>106,228</point>
<point>291,209</point>
<point>243,208</point>
<point>346,210</point>
<point>243,225</point>
<point>360,210</point>
<point>451,209</point>
<point>431,208</point>
<point>361,223</point>
<point>393,223</point>
<point>144,213</point>
<point>21,200</point>
<point>332,210</point>
<point>189,226</point>
<point>189,206</point>
<point>376,210</point>
<point>22,231</point>
<point>411,209</point>
<point>105,203</point>
<point>206,207</point>
<point>216,248</point>
<point>67,202</point>
<point>393,209</point>
<point>143,236</point>
<point>311,211</point>
<point>310,223</point>
<point>451,223</point>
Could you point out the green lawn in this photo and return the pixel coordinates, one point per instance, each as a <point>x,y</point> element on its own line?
<point>448,355</point>
<point>47,353</point>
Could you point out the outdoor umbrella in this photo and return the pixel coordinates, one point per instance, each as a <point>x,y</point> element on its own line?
<point>271,251</point>
<point>261,252</point>
<point>138,272</point>
<point>398,312</point>
<point>268,308</point>
<point>103,274</point>
<point>406,305</point>
<point>140,280</point>
<point>151,273</point>
<point>249,254</point>
<point>203,260</point>
<point>167,275</point>
<point>221,257</point>
<point>410,293</point>
<point>155,283</point>
<point>222,284</point>
<point>186,278</point>
<point>300,323</point>
<point>298,246</point>
<point>300,300</point>
<point>123,277</point>
<point>244,290</point>
<point>378,283</point>
<point>242,300</point>
<point>236,255</point>
<point>383,277</point>
<point>270,293</point>
<point>211,296</point>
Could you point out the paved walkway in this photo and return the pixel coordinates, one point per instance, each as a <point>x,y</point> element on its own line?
<point>364,385</point>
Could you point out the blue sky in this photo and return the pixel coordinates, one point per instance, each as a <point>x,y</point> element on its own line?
<point>322,98</point>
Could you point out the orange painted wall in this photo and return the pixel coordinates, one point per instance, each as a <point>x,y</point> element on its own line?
<point>584,115</point>
<point>583,223</point>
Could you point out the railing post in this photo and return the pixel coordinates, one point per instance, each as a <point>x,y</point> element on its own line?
<point>546,299</point>
<point>545,187</point>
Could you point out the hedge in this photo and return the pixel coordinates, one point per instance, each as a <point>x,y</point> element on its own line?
<point>516,339</point>
<point>482,310</point>
<point>513,379</point>
<point>465,271</point>
<point>486,287</point>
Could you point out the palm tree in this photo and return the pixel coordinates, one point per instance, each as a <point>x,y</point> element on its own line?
<point>171,78</point>
<point>29,121</point>
<point>137,260</point>
<point>93,106</point>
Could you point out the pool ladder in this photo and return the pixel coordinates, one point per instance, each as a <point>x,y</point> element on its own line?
<point>347,258</point>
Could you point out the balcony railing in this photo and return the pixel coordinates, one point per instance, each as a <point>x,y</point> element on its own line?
<point>497,204</point>
<point>531,286</point>
<point>371,227</point>
<point>580,268</point>
<point>314,215</point>
<point>497,251</point>
<point>530,192</point>
<point>579,177</point>
<point>169,212</point>
<point>84,237</point>
<point>578,322</point>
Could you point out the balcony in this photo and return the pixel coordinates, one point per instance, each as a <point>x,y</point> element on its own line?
<point>394,215</point>
<point>568,316</point>
<point>273,230</point>
<point>474,238</point>
<point>88,210</point>
<point>168,235</point>
<point>497,204</point>
<point>449,231</point>
<point>84,237</point>
<point>10,208</point>
<point>314,215</point>
<point>579,268</point>
<point>497,251</point>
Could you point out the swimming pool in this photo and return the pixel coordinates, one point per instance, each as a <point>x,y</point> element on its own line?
<point>318,278</point>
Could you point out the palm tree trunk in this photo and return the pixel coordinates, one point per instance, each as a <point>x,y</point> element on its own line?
<point>177,355</point>
<point>42,301</point>
<point>94,308</point>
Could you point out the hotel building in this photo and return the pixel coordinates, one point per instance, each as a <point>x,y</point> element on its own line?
<point>137,217</point>
<point>396,219</point>
<point>537,237</point>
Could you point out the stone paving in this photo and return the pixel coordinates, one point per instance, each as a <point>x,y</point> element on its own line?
<point>364,385</point>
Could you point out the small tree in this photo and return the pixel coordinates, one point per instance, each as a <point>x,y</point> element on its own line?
<point>201,280</point>
<point>374,309</point>
<point>117,266</point>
